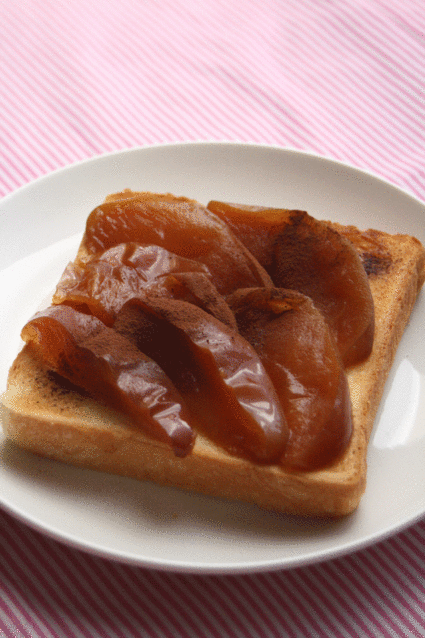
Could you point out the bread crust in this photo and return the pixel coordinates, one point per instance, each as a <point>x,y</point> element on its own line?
<point>45,418</point>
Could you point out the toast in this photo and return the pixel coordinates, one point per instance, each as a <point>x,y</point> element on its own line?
<point>54,419</point>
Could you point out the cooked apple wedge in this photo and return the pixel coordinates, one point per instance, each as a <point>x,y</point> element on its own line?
<point>298,352</point>
<point>112,370</point>
<point>305,254</point>
<point>109,279</point>
<point>182,226</point>
<point>219,374</point>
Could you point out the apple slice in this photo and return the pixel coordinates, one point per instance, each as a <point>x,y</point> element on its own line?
<point>217,372</point>
<point>107,281</point>
<point>113,371</point>
<point>304,254</point>
<point>298,352</point>
<point>182,226</point>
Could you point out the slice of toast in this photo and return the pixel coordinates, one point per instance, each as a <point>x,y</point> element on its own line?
<point>46,417</point>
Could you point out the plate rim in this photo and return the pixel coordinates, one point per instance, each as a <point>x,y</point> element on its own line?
<point>181,566</point>
<point>224,143</point>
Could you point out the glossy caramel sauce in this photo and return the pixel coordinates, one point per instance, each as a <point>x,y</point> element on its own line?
<point>112,370</point>
<point>228,321</point>
<point>301,253</point>
<point>297,350</point>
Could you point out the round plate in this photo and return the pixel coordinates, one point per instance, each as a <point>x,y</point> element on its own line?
<point>163,528</point>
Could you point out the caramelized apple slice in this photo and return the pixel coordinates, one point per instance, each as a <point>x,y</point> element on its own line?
<point>298,352</point>
<point>180,225</point>
<point>304,254</point>
<point>219,374</point>
<point>197,289</point>
<point>113,371</point>
<point>107,281</point>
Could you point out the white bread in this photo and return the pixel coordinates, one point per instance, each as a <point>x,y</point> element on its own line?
<point>49,419</point>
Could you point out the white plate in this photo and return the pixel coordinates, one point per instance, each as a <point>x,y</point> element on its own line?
<point>164,528</point>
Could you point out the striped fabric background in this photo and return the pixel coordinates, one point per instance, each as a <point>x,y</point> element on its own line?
<point>343,78</point>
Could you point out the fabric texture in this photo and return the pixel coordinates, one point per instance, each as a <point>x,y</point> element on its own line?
<point>341,78</point>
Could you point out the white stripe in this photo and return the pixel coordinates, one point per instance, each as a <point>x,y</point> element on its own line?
<point>343,41</point>
<point>22,144</point>
<point>384,35</point>
<point>44,69</point>
<point>330,616</point>
<point>250,587</point>
<point>233,585</point>
<point>387,576</point>
<point>419,544</point>
<point>356,580</point>
<point>147,609</point>
<point>295,598</point>
<point>240,625</point>
<point>276,597</point>
<point>47,120</point>
<point>318,576</point>
<point>62,566</point>
<point>11,627</point>
<point>345,573</point>
<point>337,111</point>
<point>198,610</point>
<point>30,609</point>
<point>35,565</point>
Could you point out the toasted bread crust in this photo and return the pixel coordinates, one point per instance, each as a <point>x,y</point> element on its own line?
<point>44,417</point>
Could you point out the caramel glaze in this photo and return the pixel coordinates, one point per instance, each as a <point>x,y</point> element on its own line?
<point>299,354</point>
<point>103,285</point>
<point>183,227</point>
<point>194,340</point>
<point>168,315</point>
<point>113,371</point>
<point>217,371</point>
<point>305,254</point>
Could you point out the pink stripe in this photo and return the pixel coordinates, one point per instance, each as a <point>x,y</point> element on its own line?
<point>149,604</point>
<point>46,87</point>
<point>21,164</point>
<point>279,583</point>
<point>370,578</point>
<point>314,597</point>
<point>53,116</point>
<point>338,111</point>
<point>45,137</point>
<point>409,558</point>
<point>96,607</point>
<point>416,538</point>
<point>43,574</point>
<point>343,41</point>
<point>349,596</point>
<point>23,622</point>
<point>105,603</point>
<point>140,608</point>
<point>380,33</point>
<point>9,604</point>
<point>220,605</point>
<point>196,595</point>
<point>29,582</point>
<point>396,582</point>
<point>279,603</point>
<point>239,608</point>
<point>254,596</point>
<point>200,615</point>
<point>347,616</point>
<point>13,174</point>
<point>354,135</point>
<point>26,151</point>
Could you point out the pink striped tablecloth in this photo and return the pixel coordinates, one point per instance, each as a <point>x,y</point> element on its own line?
<point>344,79</point>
